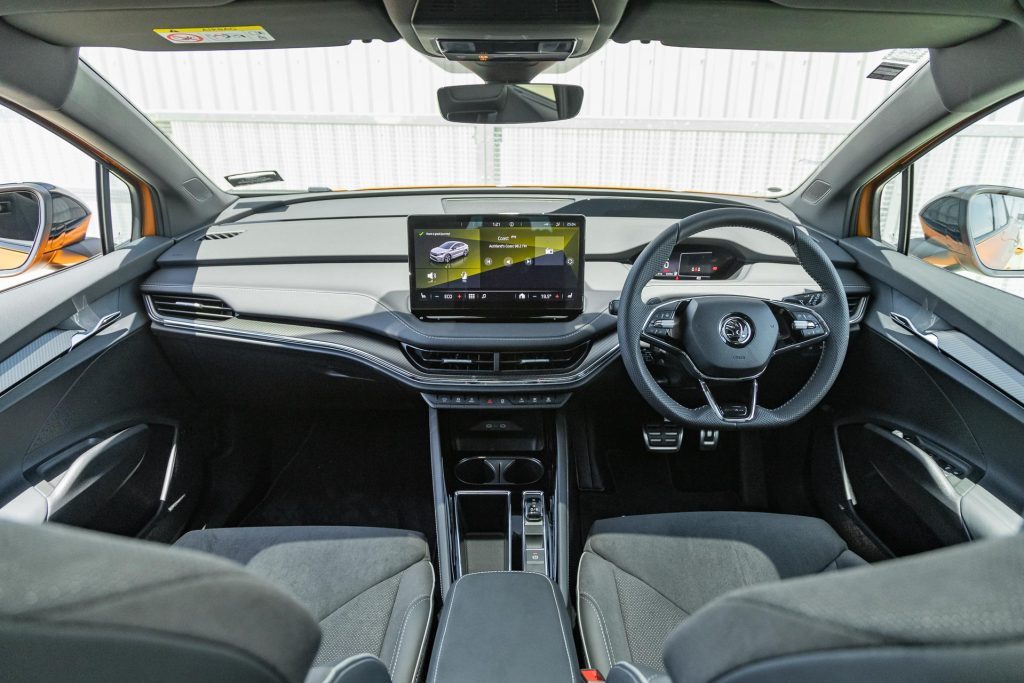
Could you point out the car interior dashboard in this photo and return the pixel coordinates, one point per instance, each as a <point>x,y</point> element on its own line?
<point>497,299</point>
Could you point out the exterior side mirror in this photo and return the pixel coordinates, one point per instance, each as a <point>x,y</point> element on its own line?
<point>502,103</point>
<point>978,227</point>
<point>37,222</point>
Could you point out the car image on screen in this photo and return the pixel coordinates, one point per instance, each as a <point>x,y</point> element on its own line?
<point>449,251</point>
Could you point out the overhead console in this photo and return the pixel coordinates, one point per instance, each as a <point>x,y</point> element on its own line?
<point>496,267</point>
<point>506,41</point>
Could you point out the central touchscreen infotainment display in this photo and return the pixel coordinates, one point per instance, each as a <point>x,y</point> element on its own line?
<point>500,266</point>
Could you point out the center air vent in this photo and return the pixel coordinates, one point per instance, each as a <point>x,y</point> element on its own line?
<point>524,361</point>
<point>190,307</point>
<point>480,362</point>
<point>452,361</point>
<point>219,235</point>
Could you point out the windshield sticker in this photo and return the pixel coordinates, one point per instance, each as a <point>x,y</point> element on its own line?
<point>215,34</point>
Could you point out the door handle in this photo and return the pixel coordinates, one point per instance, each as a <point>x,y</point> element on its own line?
<point>907,324</point>
<point>103,322</point>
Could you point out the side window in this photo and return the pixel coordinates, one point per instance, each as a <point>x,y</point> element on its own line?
<point>887,215</point>
<point>122,215</point>
<point>89,209</point>
<point>966,209</point>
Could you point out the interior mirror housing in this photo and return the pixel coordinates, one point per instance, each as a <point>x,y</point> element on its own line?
<point>977,227</point>
<point>37,222</point>
<point>502,103</point>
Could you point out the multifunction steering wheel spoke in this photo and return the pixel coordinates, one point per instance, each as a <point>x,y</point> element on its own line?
<point>662,328</point>
<point>799,326</point>
<point>734,410</point>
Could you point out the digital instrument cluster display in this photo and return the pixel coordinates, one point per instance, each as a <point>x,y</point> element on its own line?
<point>698,263</point>
<point>501,266</point>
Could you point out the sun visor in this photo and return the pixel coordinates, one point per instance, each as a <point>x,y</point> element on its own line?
<point>34,74</point>
<point>981,72</point>
<point>242,24</point>
<point>741,24</point>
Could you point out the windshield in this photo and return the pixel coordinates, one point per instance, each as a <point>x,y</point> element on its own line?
<point>365,116</point>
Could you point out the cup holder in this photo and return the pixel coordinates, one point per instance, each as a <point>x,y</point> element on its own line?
<point>482,471</point>
<point>476,471</point>
<point>522,471</point>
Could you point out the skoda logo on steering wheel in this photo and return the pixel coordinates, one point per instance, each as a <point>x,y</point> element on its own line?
<point>736,330</point>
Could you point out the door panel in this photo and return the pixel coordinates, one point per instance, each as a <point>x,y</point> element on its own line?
<point>90,429</point>
<point>927,427</point>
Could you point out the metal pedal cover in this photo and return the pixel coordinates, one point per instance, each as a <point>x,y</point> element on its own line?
<point>708,439</point>
<point>663,437</point>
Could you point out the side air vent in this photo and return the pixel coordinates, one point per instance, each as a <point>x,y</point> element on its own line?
<point>219,235</point>
<point>857,305</point>
<point>452,361</point>
<point>543,361</point>
<point>190,307</point>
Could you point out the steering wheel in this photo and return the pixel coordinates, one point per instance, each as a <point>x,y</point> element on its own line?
<point>730,340</point>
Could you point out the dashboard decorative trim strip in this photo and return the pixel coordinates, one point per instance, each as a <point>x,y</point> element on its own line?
<point>602,352</point>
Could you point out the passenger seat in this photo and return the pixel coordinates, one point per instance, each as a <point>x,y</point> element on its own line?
<point>277,604</point>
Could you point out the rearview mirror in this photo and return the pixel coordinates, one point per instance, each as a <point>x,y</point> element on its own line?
<point>509,102</point>
<point>37,221</point>
<point>979,228</point>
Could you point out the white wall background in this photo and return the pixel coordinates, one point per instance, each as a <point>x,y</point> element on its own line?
<point>365,115</point>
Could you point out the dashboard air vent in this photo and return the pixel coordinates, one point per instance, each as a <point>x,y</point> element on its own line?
<point>542,361</point>
<point>857,305</point>
<point>190,307</point>
<point>219,235</point>
<point>489,362</point>
<point>452,361</point>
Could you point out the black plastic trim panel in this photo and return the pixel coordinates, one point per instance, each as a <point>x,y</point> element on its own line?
<point>387,357</point>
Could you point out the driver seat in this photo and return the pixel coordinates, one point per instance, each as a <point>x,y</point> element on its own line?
<point>699,595</point>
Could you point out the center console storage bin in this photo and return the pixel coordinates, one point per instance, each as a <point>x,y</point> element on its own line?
<point>504,626</point>
<point>483,531</point>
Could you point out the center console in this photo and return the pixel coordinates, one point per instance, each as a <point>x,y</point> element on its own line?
<point>502,486</point>
<point>500,481</point>
<point>504,626</point>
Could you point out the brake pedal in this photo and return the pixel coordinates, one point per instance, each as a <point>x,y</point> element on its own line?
<point>708,439</point>
<point>663,437</point>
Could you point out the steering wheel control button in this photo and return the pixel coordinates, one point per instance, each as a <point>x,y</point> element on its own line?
<point>734,411</point>
<point>736,330</point>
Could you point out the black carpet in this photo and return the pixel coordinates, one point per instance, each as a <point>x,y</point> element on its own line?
<point>639,482</point>
<point>356,469</point>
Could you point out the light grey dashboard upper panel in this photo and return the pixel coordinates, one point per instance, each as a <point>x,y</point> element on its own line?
<point>375,298</point>
<point>385,239</point>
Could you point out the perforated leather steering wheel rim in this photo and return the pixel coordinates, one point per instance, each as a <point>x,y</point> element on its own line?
<point>633,313</point>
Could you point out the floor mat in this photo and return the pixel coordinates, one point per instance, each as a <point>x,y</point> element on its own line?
<point>647,483</point>
<point>639,482</point>
<point>356,469</point>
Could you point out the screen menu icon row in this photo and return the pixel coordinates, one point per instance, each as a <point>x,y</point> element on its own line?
<point>496,297</point>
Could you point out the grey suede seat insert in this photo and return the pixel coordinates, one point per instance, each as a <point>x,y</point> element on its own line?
<point>369,589</point>
<point>640,576</point>
<point>281,605</point>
